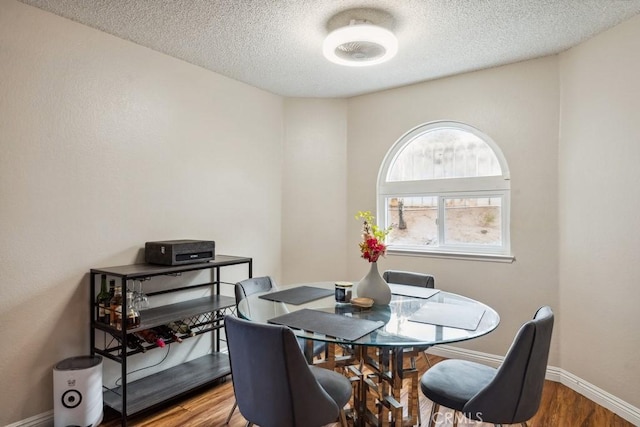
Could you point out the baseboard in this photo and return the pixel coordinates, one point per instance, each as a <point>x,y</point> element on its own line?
<point>577,384</point>
<point>41,420</point>
<point>588,390</point>
<point>602,398</point>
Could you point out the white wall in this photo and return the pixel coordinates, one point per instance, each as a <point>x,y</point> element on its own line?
<point>314,208</point>
<point>600,210</point>
<point>517,105</point>
<point>105,145</point>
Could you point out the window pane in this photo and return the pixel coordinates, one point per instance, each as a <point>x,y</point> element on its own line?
<point>473,221</point>
<point>414,221</point>
<point>444,153</point>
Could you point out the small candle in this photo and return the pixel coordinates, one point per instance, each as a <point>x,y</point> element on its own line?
<point>343,292</point>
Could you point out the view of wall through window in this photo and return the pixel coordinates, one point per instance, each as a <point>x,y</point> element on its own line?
<point>468,221</point>
<point>444,153</point>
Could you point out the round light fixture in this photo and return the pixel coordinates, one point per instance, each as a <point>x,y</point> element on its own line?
<point>359,45</point>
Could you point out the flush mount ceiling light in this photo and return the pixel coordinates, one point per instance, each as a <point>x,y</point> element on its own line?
<point>360,44</point>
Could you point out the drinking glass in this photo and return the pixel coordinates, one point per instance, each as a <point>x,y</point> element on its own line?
<point>140,299</point>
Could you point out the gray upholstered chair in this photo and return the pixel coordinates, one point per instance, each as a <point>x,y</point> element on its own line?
<point>251,286</point>
<point>409,278</point>
<point>509,394</point>
<point>273,384</point>
<point>412,279</point>
<point>254,285</point>
<point>422,280</point>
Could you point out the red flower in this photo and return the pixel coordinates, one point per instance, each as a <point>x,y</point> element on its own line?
<point>372,245</point>
<point>372,248</point>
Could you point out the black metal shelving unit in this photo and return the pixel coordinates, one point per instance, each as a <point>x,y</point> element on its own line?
<point>203,315</point>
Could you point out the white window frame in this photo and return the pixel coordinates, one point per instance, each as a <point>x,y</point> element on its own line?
<point>477,187</point>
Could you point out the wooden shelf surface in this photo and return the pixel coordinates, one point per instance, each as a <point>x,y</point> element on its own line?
<point>165,314</point>
<point>181,310</point>
<point>204,314</point>
<point>137,271</point>
<point>173,382</point>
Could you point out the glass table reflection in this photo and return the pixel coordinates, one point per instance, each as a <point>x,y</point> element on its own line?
<point>398,330</point>
<point>376,361</point>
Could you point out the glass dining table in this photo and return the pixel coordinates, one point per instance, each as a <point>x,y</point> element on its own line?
<point>375,347</point>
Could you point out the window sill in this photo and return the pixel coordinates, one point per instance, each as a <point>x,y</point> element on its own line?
<point>453,255</point>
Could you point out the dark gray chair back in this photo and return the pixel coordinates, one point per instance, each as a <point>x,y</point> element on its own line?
<point>409,278</point>
<point>514,394</point>
<point>254,285</point>
<point>251,286</point>
<point>273,384</point>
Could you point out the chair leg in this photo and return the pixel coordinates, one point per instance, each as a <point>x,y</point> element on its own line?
<point>426,358</point>
<point>343,419</point>
<point>455,419</point>
<point>414,388</point>
<point>235,404</point>
<point>434,414</point>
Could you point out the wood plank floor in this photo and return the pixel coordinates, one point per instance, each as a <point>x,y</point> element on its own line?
<point>560,406</point>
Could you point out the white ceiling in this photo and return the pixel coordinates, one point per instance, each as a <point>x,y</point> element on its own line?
<point>276,45</point>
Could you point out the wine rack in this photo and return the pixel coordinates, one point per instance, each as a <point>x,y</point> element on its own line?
<point>202,315</point>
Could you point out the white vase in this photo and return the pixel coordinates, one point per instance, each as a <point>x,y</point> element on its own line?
<point>373,286</point>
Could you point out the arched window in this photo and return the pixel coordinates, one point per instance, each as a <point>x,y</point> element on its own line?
<point>444,189</point>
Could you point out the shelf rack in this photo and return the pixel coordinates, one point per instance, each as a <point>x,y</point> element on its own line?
<point>203,315</point>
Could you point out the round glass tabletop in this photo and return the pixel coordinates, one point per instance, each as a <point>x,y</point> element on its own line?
<point>407,321</point>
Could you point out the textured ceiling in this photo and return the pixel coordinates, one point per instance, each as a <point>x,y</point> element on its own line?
<point>276,45</point>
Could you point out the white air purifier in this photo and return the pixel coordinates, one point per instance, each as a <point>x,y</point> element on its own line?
<point>77,392</point>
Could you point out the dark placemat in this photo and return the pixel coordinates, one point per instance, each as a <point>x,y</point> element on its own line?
<point>299,295</point>
<point>333,325</point>
<point>451,315</point>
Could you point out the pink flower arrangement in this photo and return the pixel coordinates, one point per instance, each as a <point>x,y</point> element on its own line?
<point>372,245</point>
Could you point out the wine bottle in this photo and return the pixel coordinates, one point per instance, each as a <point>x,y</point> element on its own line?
<point>103,299</point>
<point>132,342</point>
<point>179,327</point>
<point>116,307</point>
<point>135,343</point>
<point>165,332</point>
<point>133,315</point>
<point>151,337</point>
